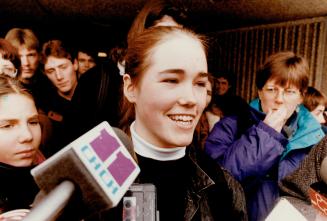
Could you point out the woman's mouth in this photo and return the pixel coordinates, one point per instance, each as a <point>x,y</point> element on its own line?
<point>182,120</point>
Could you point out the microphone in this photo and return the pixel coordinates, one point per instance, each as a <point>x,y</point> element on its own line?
<point>97,163</point>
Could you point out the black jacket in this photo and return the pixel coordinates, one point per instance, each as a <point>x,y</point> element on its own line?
<point>17,188</point>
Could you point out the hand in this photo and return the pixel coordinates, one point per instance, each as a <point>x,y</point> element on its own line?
<point>276,118</point>
<point>14,215</point>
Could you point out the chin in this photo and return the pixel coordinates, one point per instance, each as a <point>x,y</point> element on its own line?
<point>183,142</point>
<point>23,163</point>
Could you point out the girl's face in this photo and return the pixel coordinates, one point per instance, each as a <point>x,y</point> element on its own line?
<point>171,93</point>
<point>274,97</point>
<point>20,132</point>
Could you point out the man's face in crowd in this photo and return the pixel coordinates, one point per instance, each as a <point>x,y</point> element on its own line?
<point>29,62</point>
<point>62,73</point>
<point>85,62</point>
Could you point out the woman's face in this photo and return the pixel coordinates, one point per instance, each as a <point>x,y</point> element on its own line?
<point>274,97</point>
<point>20,132</point>
<point>171,94</point>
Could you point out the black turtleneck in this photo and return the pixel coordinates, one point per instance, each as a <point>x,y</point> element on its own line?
<point>171,179</point>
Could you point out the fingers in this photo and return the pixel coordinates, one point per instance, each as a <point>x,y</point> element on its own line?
<point>276,118</point>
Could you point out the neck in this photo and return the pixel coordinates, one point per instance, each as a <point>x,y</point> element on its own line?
<point>145,149</point>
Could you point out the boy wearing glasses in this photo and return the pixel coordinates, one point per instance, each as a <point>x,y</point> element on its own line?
<point>269,140</point>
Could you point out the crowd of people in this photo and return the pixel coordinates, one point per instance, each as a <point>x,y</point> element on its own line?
<point>210,154</point>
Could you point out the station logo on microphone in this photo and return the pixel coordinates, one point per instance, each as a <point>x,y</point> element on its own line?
<point>108,160</point>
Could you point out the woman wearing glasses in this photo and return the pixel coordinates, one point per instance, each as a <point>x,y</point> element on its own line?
<point>271,138</point>
<point>9,59</point>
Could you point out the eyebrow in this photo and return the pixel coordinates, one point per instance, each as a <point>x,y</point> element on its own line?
<point>12,120</point>
<point>181,71</point>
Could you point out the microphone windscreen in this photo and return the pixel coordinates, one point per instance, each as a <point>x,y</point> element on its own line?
<point>98,164</point>
<point>125,139</point>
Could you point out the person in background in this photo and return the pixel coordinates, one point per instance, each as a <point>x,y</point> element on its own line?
<point>86,59</point>
<point>9,59</point>
<point>273,135</point>
<point>223,83</point>
<point>29,73</point>
<point>165,89</point>
<point>210,116</point>
<point>20,138</point>
<point>60,68</point>
<point>226,100</point>
<point>315,102</point>
<point>27,45</point>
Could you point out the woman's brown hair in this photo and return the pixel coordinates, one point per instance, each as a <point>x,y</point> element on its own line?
<point>285,68</point>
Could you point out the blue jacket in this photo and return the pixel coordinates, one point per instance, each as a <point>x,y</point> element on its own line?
<point>259,156</point>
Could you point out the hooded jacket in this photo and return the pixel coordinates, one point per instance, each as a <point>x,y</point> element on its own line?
<point>258,156</point>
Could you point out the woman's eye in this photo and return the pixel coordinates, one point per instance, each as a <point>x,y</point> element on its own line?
<point>270,89</point>
<point>172,81</point>
<point>6,126</point>
<point>201,83</point>
<point>290,91</point>
<point>34,122</point>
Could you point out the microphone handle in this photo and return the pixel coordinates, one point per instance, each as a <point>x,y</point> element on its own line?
<point>53,204</point>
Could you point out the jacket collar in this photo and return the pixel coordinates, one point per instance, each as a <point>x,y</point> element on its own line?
<point>307,131</point>
<point>200,179</point>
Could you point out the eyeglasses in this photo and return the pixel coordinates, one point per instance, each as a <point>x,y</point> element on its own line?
<point>287,94</point>
<point>10,71</point>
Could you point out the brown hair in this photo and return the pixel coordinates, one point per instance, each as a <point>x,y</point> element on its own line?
<point>9,52</point>
<point>55,48</point>
<point>153,11</point>
<point>285,68</point>
<point>22,37</point>
<point>313,98</point>
<point>138,58</point>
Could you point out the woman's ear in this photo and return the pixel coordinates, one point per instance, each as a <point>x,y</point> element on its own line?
<point>260,94</point>
<point>129,88</point>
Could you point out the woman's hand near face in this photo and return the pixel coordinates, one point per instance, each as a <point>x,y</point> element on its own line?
<point>276,118</point>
